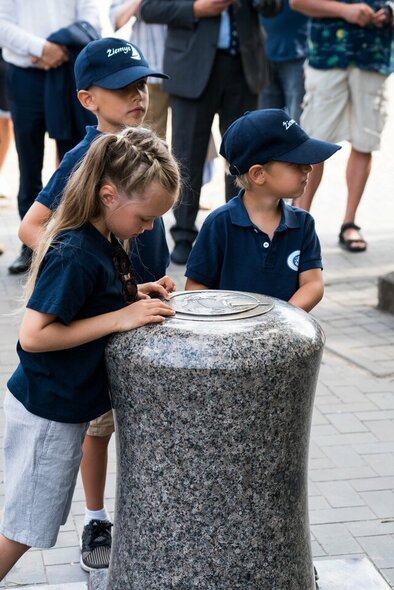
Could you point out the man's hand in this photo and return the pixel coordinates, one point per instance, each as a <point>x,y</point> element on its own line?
<point>206,8</point>
<point>53,56</point>
<point>357,14</point>
<point>383,19</point>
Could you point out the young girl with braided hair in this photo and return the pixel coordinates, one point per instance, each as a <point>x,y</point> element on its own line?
<point>80,290</point>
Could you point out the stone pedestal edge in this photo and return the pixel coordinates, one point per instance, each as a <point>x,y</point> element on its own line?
<point>386,293</point>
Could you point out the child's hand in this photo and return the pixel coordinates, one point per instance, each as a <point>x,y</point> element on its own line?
<point>161,288</point>
<point>146,311</point>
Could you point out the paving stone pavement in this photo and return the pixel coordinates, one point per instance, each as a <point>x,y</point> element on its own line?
<point>351,464</point>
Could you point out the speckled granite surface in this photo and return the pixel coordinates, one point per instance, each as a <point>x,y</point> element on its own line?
<point>213,423</point>
<point>334,574</point>
<point>98,580</point>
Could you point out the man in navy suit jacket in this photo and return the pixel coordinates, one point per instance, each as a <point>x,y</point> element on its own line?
<point>215,58</point>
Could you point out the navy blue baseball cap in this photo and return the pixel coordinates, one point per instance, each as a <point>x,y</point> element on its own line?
<point>111,63</point>
<point>269,135</point>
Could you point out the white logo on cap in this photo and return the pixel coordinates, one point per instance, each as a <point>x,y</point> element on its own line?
<point>124,49</point>
<point>293,259</point>
<point>288,124</point>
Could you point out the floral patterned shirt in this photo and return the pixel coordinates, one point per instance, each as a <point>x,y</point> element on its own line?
<point>335,43</point>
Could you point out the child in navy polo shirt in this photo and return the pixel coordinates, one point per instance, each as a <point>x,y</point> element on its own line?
<point>80,290</point>
<point>111,78</point>
<point>257,242</point>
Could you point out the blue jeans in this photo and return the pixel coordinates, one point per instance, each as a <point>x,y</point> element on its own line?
<point>285,89</point>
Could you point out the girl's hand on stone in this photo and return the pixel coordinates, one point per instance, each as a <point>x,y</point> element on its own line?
<point>145,311</point>
<point>161,288</point>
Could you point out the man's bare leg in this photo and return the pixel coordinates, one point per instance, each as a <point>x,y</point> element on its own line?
<point>10,552</point>
<point>357,172</point>
<point>305,201</point>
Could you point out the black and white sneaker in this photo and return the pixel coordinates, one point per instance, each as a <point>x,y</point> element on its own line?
<point>316,577</point>
<point>96,545</point>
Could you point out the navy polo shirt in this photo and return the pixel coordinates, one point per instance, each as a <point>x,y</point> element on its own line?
<point>77,280</point>
<point>232,253</point>
<point>149,256</point>
<point>292,44</point>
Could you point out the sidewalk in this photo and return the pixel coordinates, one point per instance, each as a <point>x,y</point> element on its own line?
<point>351,469</point>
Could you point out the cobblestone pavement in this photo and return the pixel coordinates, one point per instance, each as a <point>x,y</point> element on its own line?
<point>351,468</point>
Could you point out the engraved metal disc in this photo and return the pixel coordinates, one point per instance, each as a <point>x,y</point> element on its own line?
<point>214,305</point>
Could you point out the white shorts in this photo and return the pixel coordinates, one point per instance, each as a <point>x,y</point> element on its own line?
<point>41,463</point>
<point>344,105</point>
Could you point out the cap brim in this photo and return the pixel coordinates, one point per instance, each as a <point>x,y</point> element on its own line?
<point>312,151</point>
<point>127,76</point>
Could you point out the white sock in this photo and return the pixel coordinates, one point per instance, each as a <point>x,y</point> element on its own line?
<point>96,515</point>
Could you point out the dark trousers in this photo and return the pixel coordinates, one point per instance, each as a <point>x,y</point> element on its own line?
<point>226,94</point>
<point>26,96</point>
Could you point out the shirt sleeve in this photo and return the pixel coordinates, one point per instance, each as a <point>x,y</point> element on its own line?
<point>175,13</point>
<point>310,256</point>
<point>64,283</point>
<point>52,193</point>
<point>206,258</point>
<point>14,37</point>
<point>88,10</point>
<point>113,11</point>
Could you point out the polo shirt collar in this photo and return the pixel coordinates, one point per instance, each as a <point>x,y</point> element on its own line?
<point>288,218</point>
<point>239,215</point>
<point>91,132</point>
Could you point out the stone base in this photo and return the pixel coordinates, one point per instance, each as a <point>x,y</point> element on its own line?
<point>386,293</point>
<point>334,574</point>
<point>349,574</point>
<point>65,586</point>
<point>98,580</point>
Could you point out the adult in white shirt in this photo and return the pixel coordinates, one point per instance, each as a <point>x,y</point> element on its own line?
<point>24,29</point>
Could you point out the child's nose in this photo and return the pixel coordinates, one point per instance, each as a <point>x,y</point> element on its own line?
<point>139,92</point>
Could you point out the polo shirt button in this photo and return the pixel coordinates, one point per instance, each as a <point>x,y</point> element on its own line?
<point>266,245</point>
<point>256,231</point>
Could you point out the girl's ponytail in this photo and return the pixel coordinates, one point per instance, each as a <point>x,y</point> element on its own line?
<point>130,160</point>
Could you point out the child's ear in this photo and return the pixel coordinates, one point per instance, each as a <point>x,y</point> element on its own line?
<point>109,196</point>
<point>87,100</point>
<point>257,174</point>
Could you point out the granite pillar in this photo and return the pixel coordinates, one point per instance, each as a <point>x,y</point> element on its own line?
<point>213,421</point>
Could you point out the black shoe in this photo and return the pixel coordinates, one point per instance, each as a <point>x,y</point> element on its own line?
<point>22,263</point>
<point>96,545</point>
<point>181,252</point>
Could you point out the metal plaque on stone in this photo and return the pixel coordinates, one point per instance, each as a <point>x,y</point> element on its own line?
<point>214,305</point>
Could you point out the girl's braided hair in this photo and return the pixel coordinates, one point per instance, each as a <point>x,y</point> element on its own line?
<point>130,160</point>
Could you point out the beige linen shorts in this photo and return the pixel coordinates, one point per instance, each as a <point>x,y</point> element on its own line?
<point>102,426</point>
<point>344,105</point>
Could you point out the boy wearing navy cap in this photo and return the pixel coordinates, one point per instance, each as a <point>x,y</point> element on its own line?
<point>256,242</point>
<point>111,79</point>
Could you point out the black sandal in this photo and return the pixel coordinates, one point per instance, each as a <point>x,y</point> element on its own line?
<point>350,244</point>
